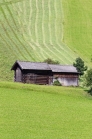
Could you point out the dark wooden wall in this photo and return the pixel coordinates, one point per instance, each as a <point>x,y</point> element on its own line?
<point>37,77</point>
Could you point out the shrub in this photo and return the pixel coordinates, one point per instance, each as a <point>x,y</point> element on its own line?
<point>57,83</point>
<point>51,61</point>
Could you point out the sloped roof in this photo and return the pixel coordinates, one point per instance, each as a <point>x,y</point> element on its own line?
<point>63,68</point>
<point>44,66</point>
<point>31,65</point>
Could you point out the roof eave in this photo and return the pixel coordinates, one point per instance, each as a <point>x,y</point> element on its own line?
<point>37,69</point>
<point>14,65</point>
<point>65,72</point>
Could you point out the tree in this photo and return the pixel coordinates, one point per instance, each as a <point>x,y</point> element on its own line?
<point>50,61</point>
<point>80,66</point>
<point>88,78</point>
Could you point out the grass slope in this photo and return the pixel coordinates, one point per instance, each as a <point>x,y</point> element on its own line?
<point>78,27</point>
<point>37,112</point>
<point>34,30</point>
<point>31,30</point>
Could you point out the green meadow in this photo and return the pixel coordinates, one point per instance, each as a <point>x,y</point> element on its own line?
<point>44,112</point>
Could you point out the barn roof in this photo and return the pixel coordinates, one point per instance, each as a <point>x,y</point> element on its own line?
<point>63,68</point>
<point>44,66</point>
<point>31,65</point>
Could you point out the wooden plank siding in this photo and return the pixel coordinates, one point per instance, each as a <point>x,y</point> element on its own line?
<point>66,79</point>
<point>35,79</point>
<point>65,75</point>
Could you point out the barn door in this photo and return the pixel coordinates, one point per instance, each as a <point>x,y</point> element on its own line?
<point>18,75</point>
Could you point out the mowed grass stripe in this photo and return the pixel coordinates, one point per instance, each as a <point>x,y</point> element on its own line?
<point>49,25</point>
<point>18,46</point>
<point>54,38</point>
<point>21,25</point>
<point>50,30</point>
<point>56,46</point>
<point>63,50</point>
<point>15,35</point>
<point>47,41</point>
<point>25,47</point>
<point>38,30</point>
<point>26,37</point>
<point>8,45</point>
<point>36,21</point>
<point>9,2</point>
<point>45,44</point>
<point>38,48</point>
<point>15,26</point>
<point>12,41</point>
<point>36,44</point>
<point>58,20</point>
<point>67,52</point>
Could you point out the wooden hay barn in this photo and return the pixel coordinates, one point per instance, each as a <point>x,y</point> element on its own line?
<point>43,73</point>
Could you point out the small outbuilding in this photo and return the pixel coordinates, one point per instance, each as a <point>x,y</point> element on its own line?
<point>43,73</point>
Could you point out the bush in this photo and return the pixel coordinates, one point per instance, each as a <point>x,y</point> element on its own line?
<point>57,83</point>
<point>51,61</point>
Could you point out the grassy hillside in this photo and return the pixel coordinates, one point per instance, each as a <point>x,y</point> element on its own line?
<point>34,30</point>
<point>37,112</point>
<point>31,30</point>
<point>78,27</point>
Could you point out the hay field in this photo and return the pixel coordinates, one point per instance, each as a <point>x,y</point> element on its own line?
<point>31,30</point>
<point>34,30</point>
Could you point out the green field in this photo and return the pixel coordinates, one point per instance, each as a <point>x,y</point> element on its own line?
<point>44,112</point>
<point>33,30</point>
